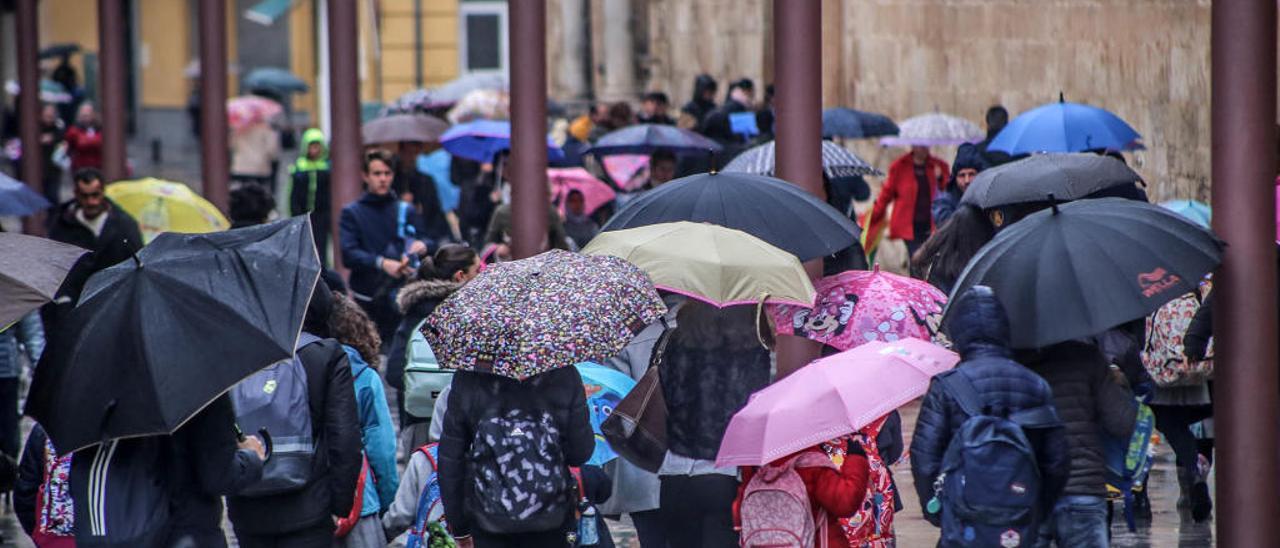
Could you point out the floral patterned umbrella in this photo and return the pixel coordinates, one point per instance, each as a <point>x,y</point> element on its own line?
<point>861,306</point>
<point>552,310</point>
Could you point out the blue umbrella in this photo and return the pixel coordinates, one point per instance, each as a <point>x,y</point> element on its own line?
<point>1066,127</point>
<point>481,140</point>
<point>274,79</point>
<point>646,138</point>
<point>1197,212</point>
<point>856,124</point>
<point>18,199</point>
<point>605,388</point>
<point>437,165</point>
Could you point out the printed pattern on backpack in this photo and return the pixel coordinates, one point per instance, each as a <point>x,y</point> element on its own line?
<point>56,515</point>
<point>430,510</point>
<point>1163,356</point>
<point>519,471</point>
<point>871,526</point>
<point>775,506</point>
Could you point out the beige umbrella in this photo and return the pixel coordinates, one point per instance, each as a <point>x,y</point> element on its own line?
<point>711,263</point>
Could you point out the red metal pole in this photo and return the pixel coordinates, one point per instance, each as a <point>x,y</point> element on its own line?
<point>1244,171</point>
<point>529,198</point>
<point>28,28</point>
<point>344,113</point>
<point>115,81</point>
<point>798,70</point>
<point>214,155</point>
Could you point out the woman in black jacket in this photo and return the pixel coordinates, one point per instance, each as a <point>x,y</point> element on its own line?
<point>714,360</point>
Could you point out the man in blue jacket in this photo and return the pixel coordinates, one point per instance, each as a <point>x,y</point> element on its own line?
<point>379,243</point>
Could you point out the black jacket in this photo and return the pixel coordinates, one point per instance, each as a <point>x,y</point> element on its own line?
<point>336,467</point>
<point>416,301</point>
<point>717,125</point>
<point>980,331</point>
<point>474,397</point>
<point>703,388</point>
<point>431,223</point>
<point>30,477</point>
<point>1090,404</point>
<point>367,231</point>
<point>697,107</point>
<point>119,240</point>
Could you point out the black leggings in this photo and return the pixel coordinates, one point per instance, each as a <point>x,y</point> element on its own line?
<point>697,511</point>
<point>1174,422</point>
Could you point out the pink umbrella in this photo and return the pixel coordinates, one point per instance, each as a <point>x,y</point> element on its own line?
<point>248,110</point>
<point>629,171</point>
<point>829,398</point>
<point>860,306</point>
<point>594,191</point>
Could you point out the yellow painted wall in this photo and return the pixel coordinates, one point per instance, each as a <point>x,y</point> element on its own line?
<point>302,55</point>
<point>439,44</point>
<point>163,52</point>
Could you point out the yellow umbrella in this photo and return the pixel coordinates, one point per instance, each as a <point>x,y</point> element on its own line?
<point>711,263</point>
<point>166,206</point>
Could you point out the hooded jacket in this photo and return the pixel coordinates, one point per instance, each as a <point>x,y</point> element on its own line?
<point>367,232</point>
<point>980,333</point>
<point>900,189</point>
<point>1090,404</point>
<point>309,179</point>
<point>946,202</point>
<point>378,434</point>
<point>416,301</point>
<point>698,108</point>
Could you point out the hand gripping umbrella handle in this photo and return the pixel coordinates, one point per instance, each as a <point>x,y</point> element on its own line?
<point>266,443</point>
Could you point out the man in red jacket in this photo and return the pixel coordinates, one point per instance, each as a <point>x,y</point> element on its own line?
<point>913,181</point>
<point>84,139</point>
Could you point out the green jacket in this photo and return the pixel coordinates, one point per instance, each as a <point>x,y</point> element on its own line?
<point>309,179</point>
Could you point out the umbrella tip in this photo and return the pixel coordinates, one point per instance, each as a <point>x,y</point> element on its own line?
<point>1062,98</point>
<point>1053,203</point>
<point>137,261</point>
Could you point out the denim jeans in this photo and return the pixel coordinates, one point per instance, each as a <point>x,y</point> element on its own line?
<point>1077,522</point>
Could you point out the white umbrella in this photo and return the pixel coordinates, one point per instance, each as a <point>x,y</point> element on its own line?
<point>935,129</point>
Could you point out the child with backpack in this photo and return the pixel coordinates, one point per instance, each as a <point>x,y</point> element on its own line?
<point>797,500</point>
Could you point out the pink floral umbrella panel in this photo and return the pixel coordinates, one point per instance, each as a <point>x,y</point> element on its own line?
<point>860,306</point>
<point>525,317</point>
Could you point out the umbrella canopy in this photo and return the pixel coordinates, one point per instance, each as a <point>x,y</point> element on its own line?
<point>59,50</point>
<point>18,199</point>
<point>438,165</point>
<point>160,337</point>
<point>1065,176</point>
<point>481,140</point>
<point>713,264</point>
<point>247,110</point>
<point>165,206</point>
<point>481,104</point>
<point>856,124</point>
<point>771,209</point>
<point>935,129</point>
<point>1066,127</point>
<point>1081,268</point>
<point>274,79</point>
<point>418,128</point>
<point>50,91</point>
<point>647,138</point>
<point>629,171</point>
<point>829,398</point>
<point>1197,212</point>
<point>605,388</point>
<point>837,161</point>
<point>525,317</point>
<point>31,270</point>
<point>859,306</point>
<point>595,193</point>
<point>455,90</point>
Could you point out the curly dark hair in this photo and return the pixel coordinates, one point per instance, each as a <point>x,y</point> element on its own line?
<point>349,324</point>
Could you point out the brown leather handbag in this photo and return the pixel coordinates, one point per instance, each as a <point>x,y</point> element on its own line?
<point>637,428</point>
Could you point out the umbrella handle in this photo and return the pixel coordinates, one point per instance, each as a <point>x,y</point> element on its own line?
<point>266,444</point>
<point>759,317</point>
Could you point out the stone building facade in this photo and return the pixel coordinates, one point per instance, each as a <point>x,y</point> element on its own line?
<point>1145,60</point>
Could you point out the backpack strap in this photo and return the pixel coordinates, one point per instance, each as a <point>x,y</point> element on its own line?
<point>426,451</point>
<point>962,390</point>
<point>305,338</point>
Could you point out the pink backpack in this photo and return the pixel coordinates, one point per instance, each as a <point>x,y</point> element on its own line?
<point>775,506</point>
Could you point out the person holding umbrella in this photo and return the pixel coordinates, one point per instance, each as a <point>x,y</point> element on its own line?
<point>913,181</point>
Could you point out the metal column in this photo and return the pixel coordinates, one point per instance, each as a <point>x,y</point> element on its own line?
<point>798,71</point>
<point>115,83</point>
<point>1244,170</point>
<point>28,30</point>
<point>344,113</point>
<point>214,154</point>
<point>527,50</point>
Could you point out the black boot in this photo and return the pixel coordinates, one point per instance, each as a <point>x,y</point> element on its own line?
<point>1201,504</point>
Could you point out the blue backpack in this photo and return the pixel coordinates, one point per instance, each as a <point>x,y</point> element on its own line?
<point>275,400</point>
<point>990,485</point>
<point>428,522</point>
<point>1129,461</point>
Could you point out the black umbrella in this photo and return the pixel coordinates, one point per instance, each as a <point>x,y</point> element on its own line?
<point>647,138</point>
<point>771,209</point>
<point>1066,176</point>
<point>155,339</point>
<point>59,50</point>
<point>1081,268</point>
<point>856,124</point>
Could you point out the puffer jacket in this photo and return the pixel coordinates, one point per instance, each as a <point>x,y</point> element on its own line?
<point>475,397</point>
<point>980,332</point>
<point>1090,405</point>
<point>416,301</point>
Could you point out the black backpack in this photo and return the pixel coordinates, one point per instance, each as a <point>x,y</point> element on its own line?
<point>122,493</point>
<point>520,479</point>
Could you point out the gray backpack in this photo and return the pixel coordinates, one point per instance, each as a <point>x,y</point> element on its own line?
<point>275,399</point>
